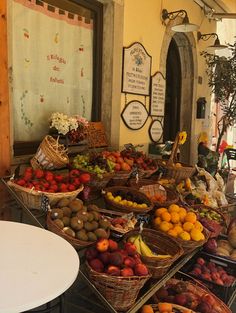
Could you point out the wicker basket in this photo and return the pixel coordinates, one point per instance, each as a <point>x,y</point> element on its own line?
<point>122,208</point>
<point>33,198</point>
<point>146,173</point>
<point>121,292</point>
<point>217,230</point>
<point>199,289</point>
<point>76,243</point>
<point>120,178</point>
<point>190,245</point>
<point>162,244</point>
<point>50,155</point>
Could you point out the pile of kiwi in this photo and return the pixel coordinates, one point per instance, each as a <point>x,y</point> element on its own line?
<point>79,221</point>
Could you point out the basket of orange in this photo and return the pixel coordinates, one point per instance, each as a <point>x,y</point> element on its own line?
<point>165,307</point>
<point>181,224</point>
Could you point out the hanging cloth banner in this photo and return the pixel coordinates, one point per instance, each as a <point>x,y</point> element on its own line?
<point>52,62</point>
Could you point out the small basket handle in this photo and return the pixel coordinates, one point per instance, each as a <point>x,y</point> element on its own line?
<point>174,151</point>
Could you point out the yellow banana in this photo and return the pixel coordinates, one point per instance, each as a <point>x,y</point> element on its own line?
<point>137,244</point>
<point>145,250</point>
<point>132,238</point>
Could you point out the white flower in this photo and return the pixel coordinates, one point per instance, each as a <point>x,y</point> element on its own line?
<point>63,123</point>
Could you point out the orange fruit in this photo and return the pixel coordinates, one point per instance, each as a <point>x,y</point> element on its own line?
<point>159,211</point>
<point>173,208</point>
<point>165,216</point>
<point>165,226</point>
<point>178,229</point>
<point>172,232</point>
<point>198,225</point>
<point>182,213</point>
<point>164,307</point>
<point>196,235</point>
<point>184,235</point>
<point>174,217</point>
<point>187,226</point>
<point>147,309</point>
<point>191,217</point>
<point>157,221</point>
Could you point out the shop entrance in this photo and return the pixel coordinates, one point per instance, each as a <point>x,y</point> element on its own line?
<point>173,94</point>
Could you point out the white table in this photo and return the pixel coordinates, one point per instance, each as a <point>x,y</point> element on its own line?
<point>36,266</point>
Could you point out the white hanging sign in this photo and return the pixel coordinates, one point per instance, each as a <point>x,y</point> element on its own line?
<point>156,131</point>
<point>134,115</point>
<point>158,91</point>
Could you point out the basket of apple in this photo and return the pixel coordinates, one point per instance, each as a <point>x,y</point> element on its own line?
<point>34,185</point>
<point>117,272</point>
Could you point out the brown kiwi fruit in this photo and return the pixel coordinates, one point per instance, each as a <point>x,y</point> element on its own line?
<point>88,226</point>
<point>104,223</point>
<point>101,233</point>
<point>83,216</point>
<point>66,220</point>
<point>63,202</point>
<point>91,236</point>
<point>95,225</point>
<point>81,235</point>
<point>76,223</point>
<point>69,231</point>
<point>59,223</point>
<point>93,207</point>
<point>66,211</point>
<point>56,213</point>
<point>90,217</point>
<point>96,215</point>
<point>76,205</point>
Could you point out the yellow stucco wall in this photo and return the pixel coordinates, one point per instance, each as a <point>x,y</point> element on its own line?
<point>143,23</point>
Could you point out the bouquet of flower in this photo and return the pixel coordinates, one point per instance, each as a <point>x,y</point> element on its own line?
<point>74,127</point>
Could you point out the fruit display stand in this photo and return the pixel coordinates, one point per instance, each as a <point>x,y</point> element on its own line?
<point>146,292</point>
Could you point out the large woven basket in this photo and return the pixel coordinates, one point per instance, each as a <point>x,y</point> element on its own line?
<point>121,292</point>
<point>50,155</point>
<point>120,178</point>
<point>125,208</point>
<point>198,289</point>
<point>33,198</point>
<point>161,244</point>
<point>190,245</point>
<point>76,243</point>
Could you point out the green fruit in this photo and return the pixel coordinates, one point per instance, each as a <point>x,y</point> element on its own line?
<point>104,223</point>
<point>95,225</point>
<point>96,215</point>
<point>76,205</point>
<point>56,213</point>
<point>88,226</point>
<point>81,235</point>
<point>83,216</point>
<point>93,207</point>
<point>90,217</point>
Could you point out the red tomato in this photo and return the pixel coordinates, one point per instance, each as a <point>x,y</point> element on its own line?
<point>38,173</point>
<point>84,178</point>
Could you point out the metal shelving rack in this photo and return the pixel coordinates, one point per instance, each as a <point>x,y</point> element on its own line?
<point>148,290</point>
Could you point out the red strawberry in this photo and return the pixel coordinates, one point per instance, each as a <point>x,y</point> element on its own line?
<point>29,169</point>
<point>71,187</point>
<point>84,178</point>
<point>77,182</point>
<point>63,186</point>
<point>58,178</point>
<point>49,177</point>
<point>38,173</point>
<point>20,182</point>
<point>54,188</point>
<point>74,173</point>
<point>27,176</point>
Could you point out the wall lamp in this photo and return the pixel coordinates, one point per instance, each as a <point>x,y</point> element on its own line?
<point>215,46</point>
<point>183,27</point>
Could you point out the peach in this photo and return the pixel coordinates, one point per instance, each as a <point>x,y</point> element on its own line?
<point>116,258</point>
<point>123,252</point>
<point>105,257</point>
<point>97,265</point>
<point>117,167</point>
<point>129,262</point>
<point>140,270</point>
<point>113,245</point>
<point>102,245</point>
<point>91,253</point>
<point>164,307</point>
<point>113,270</point>
<point>137,258</point>
<point>130,248</point>
<point>127,271</point>
<point>125,166</point>
<point>200,261</point>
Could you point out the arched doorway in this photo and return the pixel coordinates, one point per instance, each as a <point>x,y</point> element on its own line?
<point>179,65</point>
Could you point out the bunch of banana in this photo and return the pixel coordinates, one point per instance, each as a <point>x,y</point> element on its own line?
<point>143,248</point>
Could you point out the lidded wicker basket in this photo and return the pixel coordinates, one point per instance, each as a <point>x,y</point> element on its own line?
<point>50,155</point>
<point>160,243</point>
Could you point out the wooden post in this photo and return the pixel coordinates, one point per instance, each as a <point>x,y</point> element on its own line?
<point>5,154</point>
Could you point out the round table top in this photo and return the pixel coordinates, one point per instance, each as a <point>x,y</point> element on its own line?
<point>36,266</point>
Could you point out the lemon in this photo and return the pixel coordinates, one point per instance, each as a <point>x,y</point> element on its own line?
<point>185,236</point>
<point>187,226</point>
<point>117,199</point>
<point>198,225</point>
<point>196,234</point>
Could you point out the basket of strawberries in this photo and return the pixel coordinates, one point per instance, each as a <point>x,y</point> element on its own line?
<point>34,185</point>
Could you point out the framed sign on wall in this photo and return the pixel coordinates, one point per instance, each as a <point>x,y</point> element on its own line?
<point>134,115</point>
<point>156,131</point>
<point>136,70</point>
<point>158,92</point>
